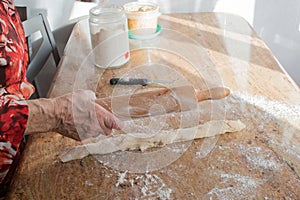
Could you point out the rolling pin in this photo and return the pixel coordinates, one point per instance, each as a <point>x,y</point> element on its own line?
<point>160,101</point>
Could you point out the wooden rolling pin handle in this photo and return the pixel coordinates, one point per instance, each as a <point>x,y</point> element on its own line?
<point>213,93</point>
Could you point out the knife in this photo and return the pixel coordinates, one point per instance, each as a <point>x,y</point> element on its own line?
<point>136,81</point>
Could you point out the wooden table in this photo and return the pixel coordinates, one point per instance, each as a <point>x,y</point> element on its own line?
<point>204,50</point>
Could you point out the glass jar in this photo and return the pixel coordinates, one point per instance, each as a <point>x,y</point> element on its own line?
<point>109,36</point>
<point>142,17</point>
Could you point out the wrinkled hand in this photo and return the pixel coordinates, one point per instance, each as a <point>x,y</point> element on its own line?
<point>80,114</point>
<point>73,115</point>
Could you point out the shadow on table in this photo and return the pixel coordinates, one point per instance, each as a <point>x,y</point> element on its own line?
<point>223,37</point>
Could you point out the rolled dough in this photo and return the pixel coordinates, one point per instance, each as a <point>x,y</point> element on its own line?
<point>123,142</point>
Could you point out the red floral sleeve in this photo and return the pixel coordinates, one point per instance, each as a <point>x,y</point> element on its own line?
<point>14,88</point>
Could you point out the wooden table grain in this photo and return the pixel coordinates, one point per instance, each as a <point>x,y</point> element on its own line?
<point>203,50</point>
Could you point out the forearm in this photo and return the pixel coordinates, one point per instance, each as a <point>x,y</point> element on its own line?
<point>52,115</point>
<point>73,115</point>
<point>42,116</point>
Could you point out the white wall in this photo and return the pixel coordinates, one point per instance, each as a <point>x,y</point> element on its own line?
<point>277,22</point>
<point>57,11</point>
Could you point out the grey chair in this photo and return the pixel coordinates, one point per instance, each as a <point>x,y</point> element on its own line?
<point>39,50</point>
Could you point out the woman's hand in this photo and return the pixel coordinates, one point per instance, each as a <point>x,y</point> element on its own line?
<point>73,115</point>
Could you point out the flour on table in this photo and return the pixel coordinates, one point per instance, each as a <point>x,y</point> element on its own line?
<point>257,157</point>
<point>149,186</point>
<point>290,113</point>
<point>121,179</point>
<point>235,187</point>
<point>290,149</point>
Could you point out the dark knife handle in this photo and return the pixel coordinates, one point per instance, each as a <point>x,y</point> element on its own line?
<point>129,81</point>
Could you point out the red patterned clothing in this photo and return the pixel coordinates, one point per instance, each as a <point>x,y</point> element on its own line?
<point>14,88</point>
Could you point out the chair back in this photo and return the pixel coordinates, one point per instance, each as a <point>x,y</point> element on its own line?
<point>39,56</point>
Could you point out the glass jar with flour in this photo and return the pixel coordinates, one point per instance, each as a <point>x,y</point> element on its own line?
<point>109,36</point>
